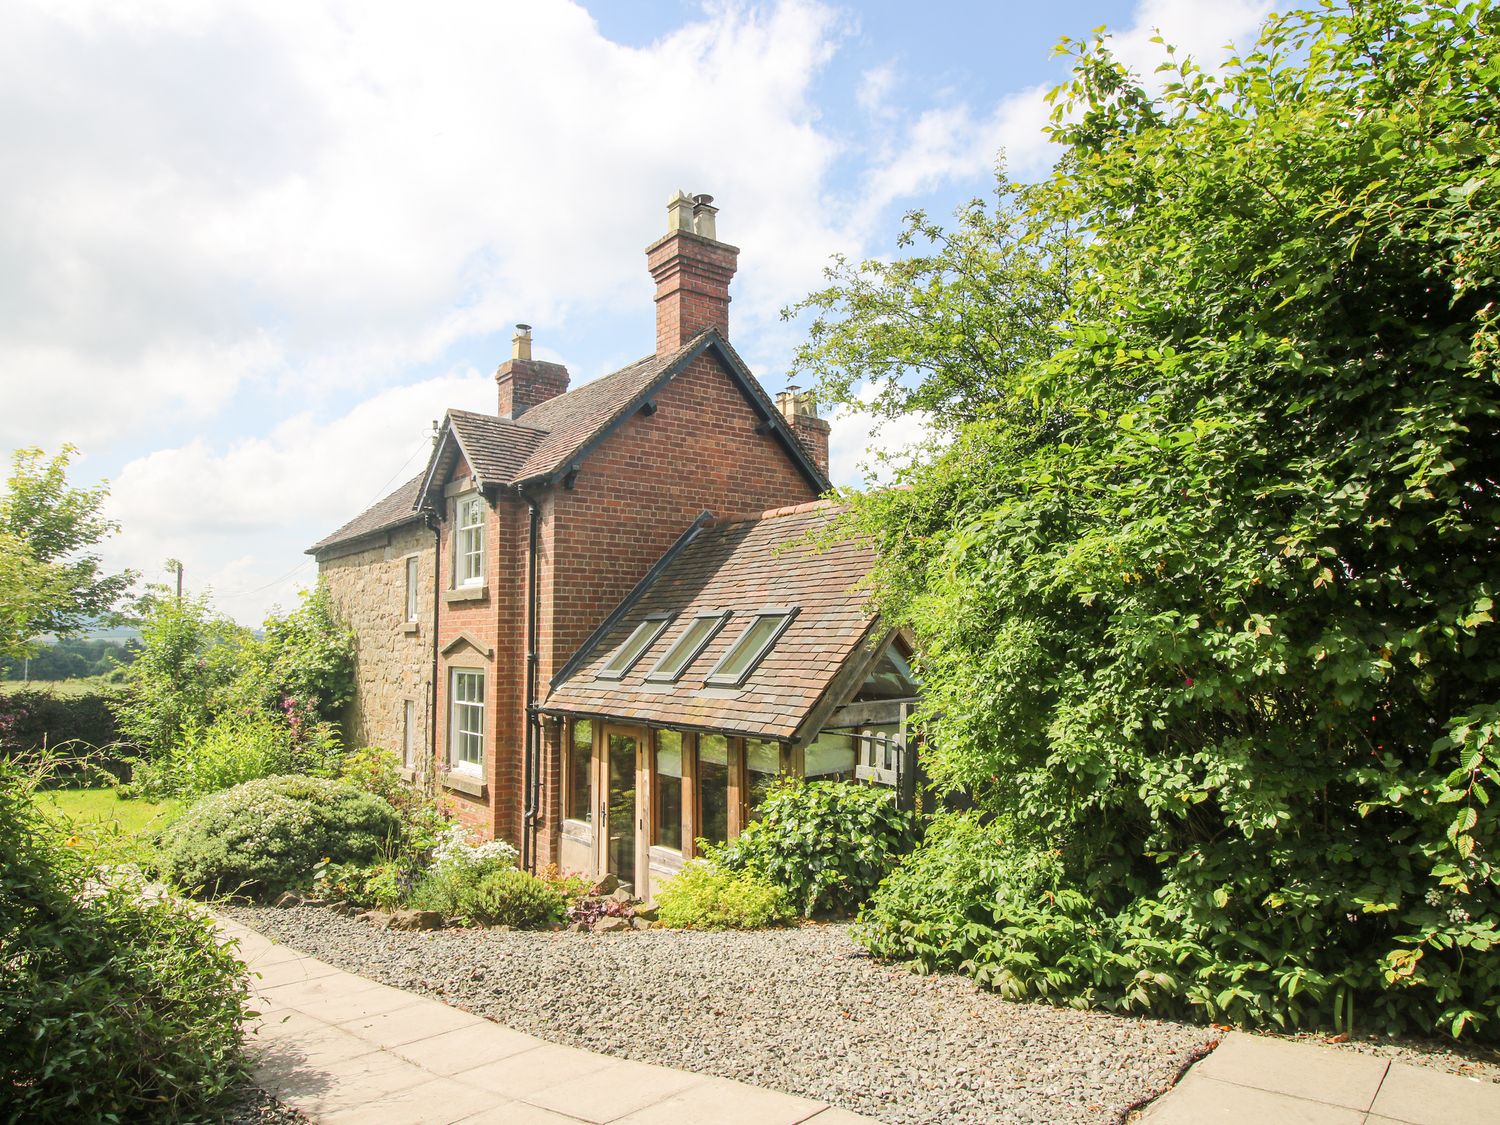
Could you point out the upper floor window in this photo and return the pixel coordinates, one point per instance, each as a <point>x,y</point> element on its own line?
<point>412,573</point>
<point>468,544</point>
<point>751,647</point>
<point>641,638</point>
<point>685,649</point>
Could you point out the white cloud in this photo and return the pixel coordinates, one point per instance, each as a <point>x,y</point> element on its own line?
<point>320,196</point>
<point>864,448</point>
<point>240,518</point>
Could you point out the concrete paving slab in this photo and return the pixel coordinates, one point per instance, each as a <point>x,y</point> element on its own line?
<point>1299,1070</point>
<point>519,1113</point>
<point>1201,1100</point>
<point>619,1088</point>
<point>718,1101</point>
<point>529,1071</point>
<point>289,972</point>
<point>1417,1095</point>
<point>352,1083</point>
<point>466,1048</point>
<point>421,1020</point>
<point>440,1101</point>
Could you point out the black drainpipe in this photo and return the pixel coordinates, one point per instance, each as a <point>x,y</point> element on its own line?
<point>437,597</point>
<point>530,760</point>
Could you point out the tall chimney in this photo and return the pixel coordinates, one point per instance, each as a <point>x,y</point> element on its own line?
<point>800,409</point>
<point>525,382</point>
<point>692,269</point>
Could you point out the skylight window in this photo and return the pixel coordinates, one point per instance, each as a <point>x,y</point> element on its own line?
<point>751,648</point>
<point>687,647</point>
<point>642,637</point>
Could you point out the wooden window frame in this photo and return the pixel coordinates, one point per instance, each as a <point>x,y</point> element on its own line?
<point>568,765</point>
<point>413,588</point>
<point>456,763</point>
<point>469,540</point>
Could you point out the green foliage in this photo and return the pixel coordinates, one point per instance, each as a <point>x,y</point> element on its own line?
<point>385,885</point>
<point>72,658</point>
<point>265,836</point>
<point>707,897</point>
<point>1204,582</point>
<point>113,1007</point>
<point>509,897</point>
<point>190,657</point>
<point>50,579</point>
<point>458,868</point>
<point>826,844</point>
<point>81,725</point>
<point>231,750</point>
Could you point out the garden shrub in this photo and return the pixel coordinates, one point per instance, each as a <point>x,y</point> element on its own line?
<point>82,726</point>
<point>509,897</point>
<point>457,868</point>
<point>265,836</point>
<point>384,885</point>
<point>113,1007</point>
<point>704,896</point>
<point>1203,564</point>
<point>826,844</point>
<point>232,750</point>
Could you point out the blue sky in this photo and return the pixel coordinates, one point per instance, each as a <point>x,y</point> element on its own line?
<point>250,250</point>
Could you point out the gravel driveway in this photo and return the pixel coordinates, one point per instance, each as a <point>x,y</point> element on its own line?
<point>798,1010</point>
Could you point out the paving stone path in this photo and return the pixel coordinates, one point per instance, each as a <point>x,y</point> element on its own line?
<point>339,1048</point>
<point>1253,1080</point>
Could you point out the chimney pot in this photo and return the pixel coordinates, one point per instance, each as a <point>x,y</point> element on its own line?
<point>692,270</point>
<point>520,343</point>
<point>800,409</point>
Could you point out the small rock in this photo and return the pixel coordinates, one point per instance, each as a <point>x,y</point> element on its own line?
<point>605,886</point>
<point>622,894</point>
<point>646,911</point>
<point>347,909</point>
<point>416,920</point>
<point>289,900</point>
<point>579,927</point>
<point>377,918</point>
<point>611,924</point>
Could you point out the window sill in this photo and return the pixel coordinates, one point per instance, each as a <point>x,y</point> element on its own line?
<point>466,594</point>
<point>411,628</point>
<point>466,784</point>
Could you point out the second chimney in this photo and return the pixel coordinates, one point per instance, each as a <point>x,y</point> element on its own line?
<point>525,382</point>
<point>692,270</point>
<point>800,409</point>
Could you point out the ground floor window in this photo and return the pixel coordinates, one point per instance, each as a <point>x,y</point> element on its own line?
<point>713,788</point>
<point>667,786</point>
<point>831,757</point>
<point>578,796</point>
<point>762,766</point>
<point>466,720</point>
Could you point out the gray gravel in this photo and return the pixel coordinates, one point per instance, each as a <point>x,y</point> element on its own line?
<point>796,1010</point>
<point>253,1106</point>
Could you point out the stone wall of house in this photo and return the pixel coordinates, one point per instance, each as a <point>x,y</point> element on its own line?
<point>393,657</point>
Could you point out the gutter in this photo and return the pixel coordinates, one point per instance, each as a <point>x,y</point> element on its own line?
<point>531,774</point>
<point>437,599</point>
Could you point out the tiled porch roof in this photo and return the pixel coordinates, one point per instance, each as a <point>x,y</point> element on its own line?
<point>742,564</point>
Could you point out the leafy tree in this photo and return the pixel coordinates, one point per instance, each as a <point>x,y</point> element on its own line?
<point>51,579</point>
<point>1204,578</point>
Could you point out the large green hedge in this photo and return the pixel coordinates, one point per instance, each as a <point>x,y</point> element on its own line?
<point>1204,574</point>
<point>113,1007</point>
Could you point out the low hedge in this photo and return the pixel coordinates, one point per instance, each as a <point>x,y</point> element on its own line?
<point>81,727</point>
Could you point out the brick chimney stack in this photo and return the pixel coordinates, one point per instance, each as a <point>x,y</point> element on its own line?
<point>525,382</point>
<point>800,409</point>
<point>692,269</point>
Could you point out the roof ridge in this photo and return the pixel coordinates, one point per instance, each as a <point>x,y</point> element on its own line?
<point>499,418</point>
<point>775,513</point>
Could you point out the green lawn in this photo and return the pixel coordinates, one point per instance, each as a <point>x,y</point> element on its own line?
<point>102,820</point>
<point>63,689</point>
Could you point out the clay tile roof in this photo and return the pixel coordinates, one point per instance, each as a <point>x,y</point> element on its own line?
<point>393,511</point>
<point>496,447</point>
<point>741,564</point>
<point>575,419</point>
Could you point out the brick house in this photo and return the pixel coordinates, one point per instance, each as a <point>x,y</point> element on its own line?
<point>564,619</point>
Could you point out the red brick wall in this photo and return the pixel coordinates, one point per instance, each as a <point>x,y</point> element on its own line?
<point>635,495</point>
<point>692,277</point>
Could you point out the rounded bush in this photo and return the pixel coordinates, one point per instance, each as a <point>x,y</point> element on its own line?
<point>265,836</point>
<point>826,843</point>
<point>513,898</point>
